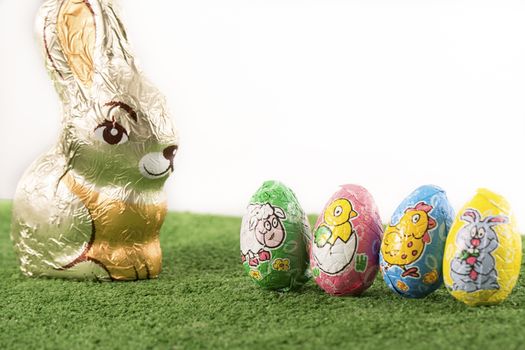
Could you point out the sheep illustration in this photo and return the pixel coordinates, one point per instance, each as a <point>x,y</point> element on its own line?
<point>474,267</point>
<point>262,231</point>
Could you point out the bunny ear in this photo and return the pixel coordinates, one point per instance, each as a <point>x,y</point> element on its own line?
<point>69,31</point>
<point>495,220</point>
<point>76,33</point>
<point>470,215</point>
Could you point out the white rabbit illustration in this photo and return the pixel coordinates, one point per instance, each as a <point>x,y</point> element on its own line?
<point>474,267</point>
<point>92,207</point>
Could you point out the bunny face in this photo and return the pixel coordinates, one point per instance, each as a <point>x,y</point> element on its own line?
<point>117,127</point>
<point>479,233</point>
<point>477,236</point>
<point>116,143</point>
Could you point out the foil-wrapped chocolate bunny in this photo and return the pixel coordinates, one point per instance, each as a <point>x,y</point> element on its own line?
<point>93,206</point>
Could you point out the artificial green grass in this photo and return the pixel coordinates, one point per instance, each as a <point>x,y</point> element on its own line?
<point>202,299</point>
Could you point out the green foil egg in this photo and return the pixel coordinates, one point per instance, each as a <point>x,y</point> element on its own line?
<point>274,238</point>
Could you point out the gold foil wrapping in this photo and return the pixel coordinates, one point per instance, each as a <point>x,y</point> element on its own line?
<point>93,206</point>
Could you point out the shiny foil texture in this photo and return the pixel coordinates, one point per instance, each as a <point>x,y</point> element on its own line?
<point>411,254</point>
<point>344,254</point>
<point>274,239</point>
<point>483,251</point>
<point>92,207</point>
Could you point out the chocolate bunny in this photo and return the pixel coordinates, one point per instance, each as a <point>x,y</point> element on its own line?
<point>92,207</point>
<point>474,268</point>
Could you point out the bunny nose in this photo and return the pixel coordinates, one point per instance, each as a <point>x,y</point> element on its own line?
<point>475,242</point>
<point>169,152</point>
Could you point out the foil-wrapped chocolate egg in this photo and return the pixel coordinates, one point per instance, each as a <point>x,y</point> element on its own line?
<point>483,251</point>
<point>274,238</point>
<point>344,253</point>
<point>413,243</point>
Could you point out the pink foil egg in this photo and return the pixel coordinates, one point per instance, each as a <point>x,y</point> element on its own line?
<point>344,254</point>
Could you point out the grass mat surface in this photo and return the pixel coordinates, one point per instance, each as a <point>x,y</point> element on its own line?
<point>203,300</point>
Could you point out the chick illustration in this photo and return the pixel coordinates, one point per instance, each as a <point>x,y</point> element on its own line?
<point>336,223</point>
<point>404,243</point>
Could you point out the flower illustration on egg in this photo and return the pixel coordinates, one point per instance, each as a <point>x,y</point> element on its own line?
<point>402,286</point>
<point>430,277</point>
<point>256,274</point>
<point>281,264</point>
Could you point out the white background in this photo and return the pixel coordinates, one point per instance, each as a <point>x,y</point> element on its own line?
<point>387,94</point>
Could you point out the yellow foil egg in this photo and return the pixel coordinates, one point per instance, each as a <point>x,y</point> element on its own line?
<point>483,251</point>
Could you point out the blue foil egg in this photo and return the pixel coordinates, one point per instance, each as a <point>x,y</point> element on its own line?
<point>411,255</point>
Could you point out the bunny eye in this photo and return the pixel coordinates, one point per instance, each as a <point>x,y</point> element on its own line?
<point>112,133</point>
<point>416,218</point>
<point>473,231</point>
<point>481,232</point>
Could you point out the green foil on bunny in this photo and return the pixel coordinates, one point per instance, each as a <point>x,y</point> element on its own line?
<point>92,207</point>
<point>274,238</point>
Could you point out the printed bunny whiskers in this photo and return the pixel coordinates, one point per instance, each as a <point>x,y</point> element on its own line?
<point>93,206</point>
